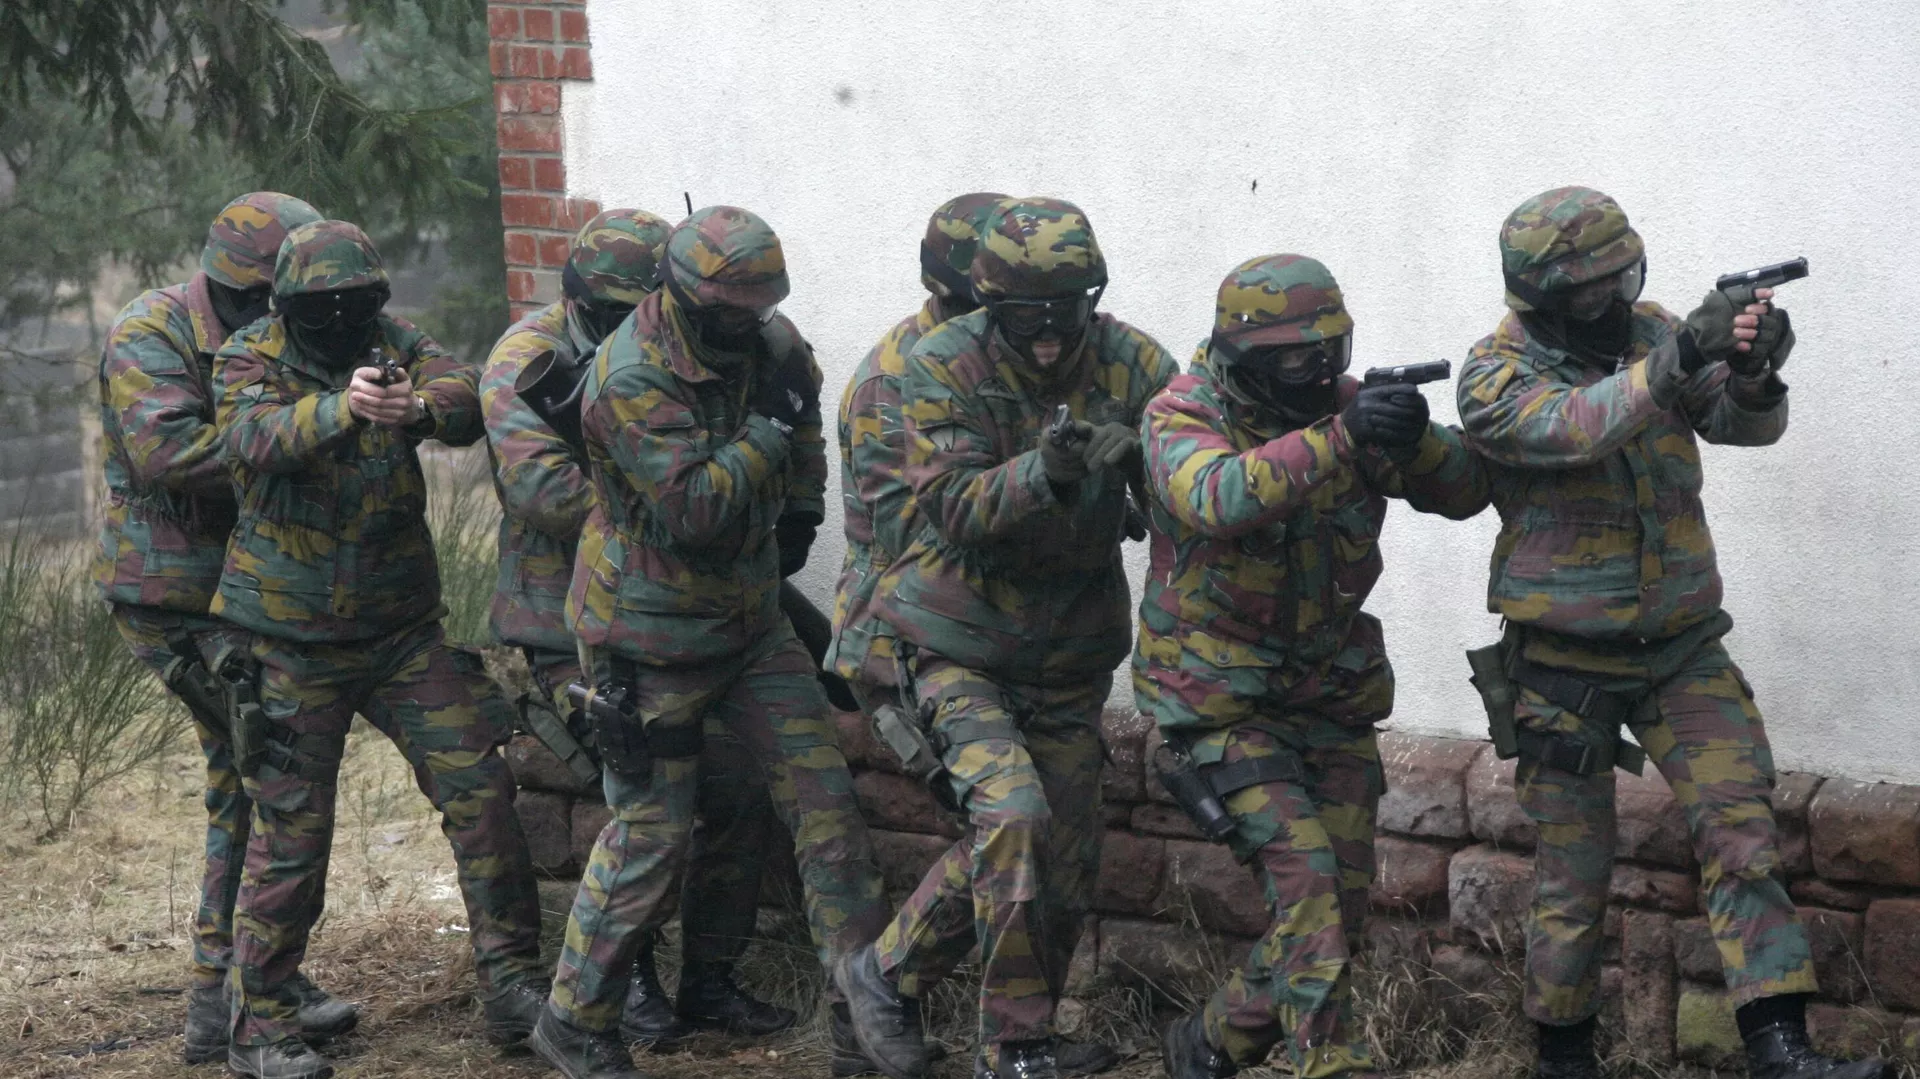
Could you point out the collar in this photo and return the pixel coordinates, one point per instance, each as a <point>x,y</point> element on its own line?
<point>660,318</point>
<point>928,317</point>
<point>208,333</point>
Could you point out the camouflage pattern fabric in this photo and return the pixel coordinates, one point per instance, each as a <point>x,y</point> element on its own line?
<point>724,255</point>
<point>992,572</point>
<point>1264,545</point>
<point>229,810</point>
<point>1031,851</point>
<point>543,490</point>
<point>246,236</point>
<point>1565,237</point>
<point>170,502</point>
<point>952,237</point>
<point>1603,535</point>
<point>1037,247</point>
<point>1279,300</point>
<point>327,256</point>
<point>1311,847</point>
<point>1709,743</point>
<point>618,252</point>
<point>439,707</point>
<point>720,892</point>
<point>677,561</point>
<point>768,700</point>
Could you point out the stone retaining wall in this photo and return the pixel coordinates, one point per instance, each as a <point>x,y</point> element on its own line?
<point>1454,883</point>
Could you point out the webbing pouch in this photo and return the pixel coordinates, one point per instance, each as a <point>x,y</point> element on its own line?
<point>247,723</point>
<point>1498,695</point>
<point>539,719</point>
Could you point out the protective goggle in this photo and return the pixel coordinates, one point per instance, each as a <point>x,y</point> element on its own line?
<point>601,317</point>
<point>1291,365</point>
<point>724,319</point>
<point>1594,297</point>
<point>1062,316</point>
<point>352,307</point>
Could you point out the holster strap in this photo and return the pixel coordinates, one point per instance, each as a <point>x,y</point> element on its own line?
<point>978,729</point>
<point>1282,767</point>
<point>1605,708</point>
<point>308,756</point>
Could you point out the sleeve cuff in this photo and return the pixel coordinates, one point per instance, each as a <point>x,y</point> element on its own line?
<point>1031,472</point>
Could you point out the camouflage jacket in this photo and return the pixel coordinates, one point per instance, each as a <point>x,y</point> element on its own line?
<point>542,486</point>
<point>1602,534</point>
<point>169,499</point>
<point>677,562</point>
<point>1007,578</point>
<point>878,505</point>
<point>332,542</point>
<point>1265,546</point>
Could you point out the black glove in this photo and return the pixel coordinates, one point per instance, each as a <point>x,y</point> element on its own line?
<point>1065,464</point>
<point>1393,417</point>
<point>1770,349</point>
<point>1112,445</point>
<point>793,533</point>
<point>1708,337</point>
<point>787,394</point>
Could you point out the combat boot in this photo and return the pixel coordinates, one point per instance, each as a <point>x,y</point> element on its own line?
<point>1084,1058</point>
<point>1187,1054</point>
<point>886,1024</point>
<point>1782,1051</point>
<point>647,1018</point>
<point>848,1058</point>
<point>511,1012</point>
<point>710,999</point>
<point>289,1058</point>
<point>1566,1052</point>
<point>1017,1060</point>
<point>580,1054</point>
<point>321,1014</point>
<point>209,1024</point>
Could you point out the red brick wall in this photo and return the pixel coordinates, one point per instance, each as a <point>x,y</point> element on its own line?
<point>535,48</point>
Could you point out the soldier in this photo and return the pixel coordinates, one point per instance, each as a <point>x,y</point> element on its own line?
<point>540,477</point>
<point>1270,471</point>
<point>701,419</point>
<point>331,571</point>
<point>169,508</point>
<point>1014,602</point>
<point>1587,406</point>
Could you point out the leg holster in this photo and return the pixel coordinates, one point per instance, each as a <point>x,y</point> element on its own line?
<point>1603,713</point>
<point>538,718</point>
<point>247,723</point>
<point>907,729</point>
<point>1202,790</point>
<point>627,744</point>
<point>186,674</point>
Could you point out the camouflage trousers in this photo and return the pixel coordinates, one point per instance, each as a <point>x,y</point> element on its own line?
<point>1707,740</point>
<point>1031,850</point>
<point>439,707</point>
<point>727,850</point>
<point>770,701</point>
<point>229,810</point>
<point>1311,846</point>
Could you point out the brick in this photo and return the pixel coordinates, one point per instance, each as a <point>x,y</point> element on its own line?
<point>519,285</point>
<point>1156,819</point>
<point>535,767</point>
<point>1652,827</point>
<point>503,23</point>
<point>529,134</point>
<point>498,59</point>
<point>546,285</point>
<point>1222,893</point>
<point>523,61</point>
<point>1893,951</point>
<point>554,251</point>
<point>589,820</point>
<point>1125,732</point>
<point>1704,1032</point>
<point>573,26</point>
<point>1866,832</point>
<point>577,63</point>
<point>1410,876</point>
<point>858,744</point>
<point>550,174</point>
<point>537,24</point>
<point>1648,997</point>
<point>1825,893</point>
<point>1488,893</point>
<point>1851,1032</point>
<point>547,820</point>
<point>522,248</point>
<point>1836,937</point>
<point>1792,796</point>
<point>543,98</point>
<point>1660,889</point>
<point>1155,790</point>
<point>1114,816</point>
<point>576,212</point>
<point>905,857</point>
<point>529,211</point>
<point>516,173</point>
<point>1696,957</point>
<point>1398,947</point>
<point>1168,957</point>
<point>904,805</point>
<point>1493,812</point>
<point>1131,871</point>
<point>1426,784</point>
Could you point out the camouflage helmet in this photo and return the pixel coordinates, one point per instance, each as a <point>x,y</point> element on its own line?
<point>953,235</point>
<point>1037,247</point>
<point>1562,238</point>
<point>616,256</point>
<point>724,255</point>
<point>246,236</point>
<point>1278,300</point>
<point>327,256</point>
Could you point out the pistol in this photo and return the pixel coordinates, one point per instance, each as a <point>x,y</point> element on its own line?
<point>1408,374</point>
<point>1765,277</point>
<point>390,369</point>
<point>1063,432</point>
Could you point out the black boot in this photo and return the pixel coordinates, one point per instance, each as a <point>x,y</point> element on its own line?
<point>1084,1058</point>
<point>580,1054</point>
<point>849,1059</point>
<point>209,1024</point>
<point>322,1015</point>
<point>513,1011</point>
<point>1775,1030</point>
<point>648,1019</point>
<point>1566,1052</point>
<point>1017,1060</point>
<point>1187,1054</point>
<point>886,1024</point>
<point>710,999</point>
<point>288,1059</point>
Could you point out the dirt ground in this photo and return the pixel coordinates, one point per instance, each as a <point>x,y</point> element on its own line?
<point>94,945</point>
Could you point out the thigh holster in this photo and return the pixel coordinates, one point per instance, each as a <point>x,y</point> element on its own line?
<point>627,744</point>
<point>907,729</point>
<point>186,674</point>
<point>1599,747</point>
<point>1202,790</point>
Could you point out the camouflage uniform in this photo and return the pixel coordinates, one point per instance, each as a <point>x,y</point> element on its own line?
<point>170,506</point>
<point>1605,565</point>
<point>331,568</point>
<point>545,495</point>
<point>1016,627</point>
<point>1252,644</point>
<point>678,574</point>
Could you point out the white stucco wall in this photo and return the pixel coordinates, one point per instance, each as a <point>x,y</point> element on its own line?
<point>1388,140</point>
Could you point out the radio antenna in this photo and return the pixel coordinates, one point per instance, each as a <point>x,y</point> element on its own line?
<point>688,195</point>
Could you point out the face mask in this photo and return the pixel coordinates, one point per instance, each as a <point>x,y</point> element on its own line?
<point>335,328</point>
<point>1606,335</point>
<point>238,308</point>
<point>1300,382</point>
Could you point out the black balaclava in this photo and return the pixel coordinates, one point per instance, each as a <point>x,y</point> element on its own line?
<point>239,308</point>
<point>339,344</point>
